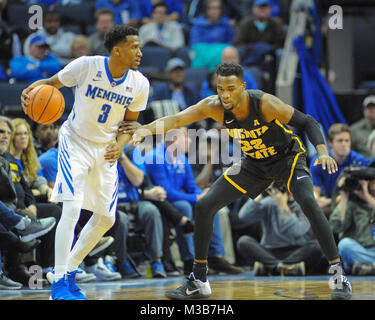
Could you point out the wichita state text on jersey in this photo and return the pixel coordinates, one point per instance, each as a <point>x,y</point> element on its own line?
<point>259,139</point>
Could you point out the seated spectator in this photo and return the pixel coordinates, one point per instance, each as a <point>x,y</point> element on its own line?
<point>58,40</point>
<point>40,63</point>
<point>209,86</point>
<point>16,194</point>
<point>55,2</point>
<point>103,23</point>
<point>22,149</point>
<point>125,11</point>
<point>228,55</point>
<point>48,162</point>
<point>176,89</point>
<point>146,215</point>
<point>339,142</point>
<point>10,47</point>
<point>363,127</point>
<point>169,167</point>
<point>171,217</point>
<point>232,10</point>
<point>209,35</point>
<point>260,27</point>
<point>46,137</point>
<point>175,9</point>
<point>79,47</point>
<point>353,221</point>
<point>161,32</point>
<point>231,55</point>
<point>371,143</point>
<point>285,247</point>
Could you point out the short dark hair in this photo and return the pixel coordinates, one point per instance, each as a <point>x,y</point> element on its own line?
<point>160,4</point>
<point>230,69</point>
<point>52,13</point>
<point>101,12</point>
<point>117,34</point>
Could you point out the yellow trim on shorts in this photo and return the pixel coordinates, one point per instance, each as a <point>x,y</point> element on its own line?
<point>295,162</point>
<point>233,183</point>
<point>297,155</point>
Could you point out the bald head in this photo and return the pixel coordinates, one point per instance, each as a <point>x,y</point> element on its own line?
<point>230,55</point>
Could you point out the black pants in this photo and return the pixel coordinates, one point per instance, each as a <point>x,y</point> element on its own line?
<point>250,177</point>
<point>252,251</point>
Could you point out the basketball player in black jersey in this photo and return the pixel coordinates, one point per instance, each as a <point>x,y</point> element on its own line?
<point>271,152</point>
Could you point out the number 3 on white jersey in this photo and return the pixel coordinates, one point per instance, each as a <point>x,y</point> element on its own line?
<point>103,117</point>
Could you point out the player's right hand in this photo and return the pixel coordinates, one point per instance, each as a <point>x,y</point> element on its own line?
<point>25,97</point>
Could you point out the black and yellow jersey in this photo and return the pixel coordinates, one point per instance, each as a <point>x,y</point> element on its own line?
<point>260,139</point>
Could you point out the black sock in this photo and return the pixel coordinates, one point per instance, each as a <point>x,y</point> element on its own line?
<point>200,271</point>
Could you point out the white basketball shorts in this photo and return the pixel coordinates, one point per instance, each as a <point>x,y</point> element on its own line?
<point>83,174</point>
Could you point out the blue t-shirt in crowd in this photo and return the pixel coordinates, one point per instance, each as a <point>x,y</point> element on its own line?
<point>326,181</point>
<point>177,178</point>
<point>48,162</point>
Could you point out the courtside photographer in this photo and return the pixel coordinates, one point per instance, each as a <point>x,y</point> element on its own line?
<point>353,219</point>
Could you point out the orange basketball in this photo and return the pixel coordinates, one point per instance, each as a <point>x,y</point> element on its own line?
<point>46,104</point>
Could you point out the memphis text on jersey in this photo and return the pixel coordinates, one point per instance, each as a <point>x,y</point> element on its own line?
<point>96,92</point>
<point>252,143</point>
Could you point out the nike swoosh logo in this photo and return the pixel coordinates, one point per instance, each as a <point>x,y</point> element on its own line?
<point>301,177</point>
<point>96,79</point>
<point>229,121</point>
<point>189,293</point>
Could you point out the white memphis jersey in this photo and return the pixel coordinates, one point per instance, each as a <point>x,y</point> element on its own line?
<point>99,100</point>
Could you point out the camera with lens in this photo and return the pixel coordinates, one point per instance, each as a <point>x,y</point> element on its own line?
<point>354,174</point>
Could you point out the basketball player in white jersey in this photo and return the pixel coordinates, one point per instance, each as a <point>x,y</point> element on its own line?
<point>107,90</point>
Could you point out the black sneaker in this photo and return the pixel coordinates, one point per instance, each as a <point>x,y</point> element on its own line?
<point>342,290</point>
<point>188,227</point>
<point>36,228</point>
<point>191,289</point>
<point>8,284</point>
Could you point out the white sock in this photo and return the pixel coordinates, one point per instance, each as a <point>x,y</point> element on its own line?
<point>64,236</point>
<point>90,235</point>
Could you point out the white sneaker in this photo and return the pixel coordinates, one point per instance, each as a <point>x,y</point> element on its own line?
<point>102,273</point>
<point>82,277</point>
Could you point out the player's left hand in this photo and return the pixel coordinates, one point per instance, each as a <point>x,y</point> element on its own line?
<point>112,153</point>
<point>327,163</point>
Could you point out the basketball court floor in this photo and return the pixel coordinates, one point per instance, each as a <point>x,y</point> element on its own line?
<point>225,287</point>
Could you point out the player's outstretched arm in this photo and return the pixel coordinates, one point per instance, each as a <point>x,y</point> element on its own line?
<point>191,114</point>
<point>275,109</point>
<point>53,81</point>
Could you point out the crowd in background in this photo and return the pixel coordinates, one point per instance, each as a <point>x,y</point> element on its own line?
<point>268,234</point>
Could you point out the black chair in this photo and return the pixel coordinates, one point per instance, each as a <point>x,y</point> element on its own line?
<point>155,58</point>
<point>197,75</point>
<point>183,54</point>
